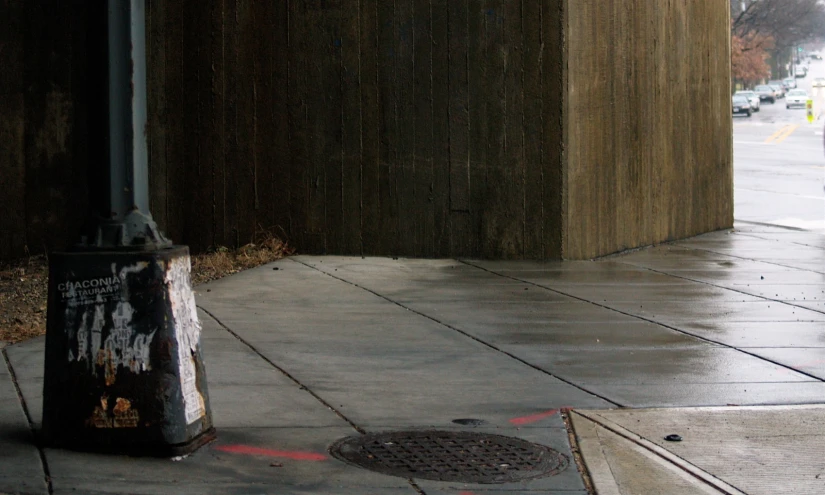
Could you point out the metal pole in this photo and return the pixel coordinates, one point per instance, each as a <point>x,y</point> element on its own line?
<point>123,369</point>
<point>127,222</point>
<point>127,107</point>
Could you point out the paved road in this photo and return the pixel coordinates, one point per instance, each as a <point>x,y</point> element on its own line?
<point>779,163</point>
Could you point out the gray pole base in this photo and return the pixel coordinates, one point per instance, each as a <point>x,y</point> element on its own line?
<point>124,370</point>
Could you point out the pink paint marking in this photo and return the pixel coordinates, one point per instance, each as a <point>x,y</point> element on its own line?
<point>466,493</point>
<point>249,450</point>
<point>533,418</point>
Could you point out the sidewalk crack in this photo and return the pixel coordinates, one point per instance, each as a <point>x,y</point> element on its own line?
<point>284,372</point>
<point>464,333</point>
<point>40,450</point>
<point>650,320</point>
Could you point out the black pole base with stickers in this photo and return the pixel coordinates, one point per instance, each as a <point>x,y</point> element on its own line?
<point>123,368</point>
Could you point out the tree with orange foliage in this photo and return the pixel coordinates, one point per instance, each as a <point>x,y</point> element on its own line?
<point>748,58</point>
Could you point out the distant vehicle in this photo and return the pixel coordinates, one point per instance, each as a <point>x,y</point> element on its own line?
<point>778,88</point>
<point>816,56</point>
<point>801,72</point>
<point>752,97</point>
<point>790,82</point>
<point>741,105</point>
<point>796,98</point>
<point>766,93</point>
<point>819,82</point>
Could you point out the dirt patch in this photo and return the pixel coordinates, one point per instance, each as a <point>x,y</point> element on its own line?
<point>24,283</point>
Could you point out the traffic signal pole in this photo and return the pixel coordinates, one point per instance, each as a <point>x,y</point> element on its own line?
<point>123,366</point>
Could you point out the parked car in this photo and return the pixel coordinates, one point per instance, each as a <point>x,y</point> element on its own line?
<point>790,82</point>
<point>819,82</point>
<point>779,86</point>
<point>752,97</point>
<point>766,93</point>
<point>779,90</point>
<point>796,98</point>
<point>741,105</point>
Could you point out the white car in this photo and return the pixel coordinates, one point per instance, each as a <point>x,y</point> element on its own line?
<point>796,98</point>
<point>752,96</point>
<point>819,82</point>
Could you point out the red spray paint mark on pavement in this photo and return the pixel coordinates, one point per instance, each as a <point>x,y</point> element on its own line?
<point>466,493</point>
<point>248,450</point>
<point>533,418</point>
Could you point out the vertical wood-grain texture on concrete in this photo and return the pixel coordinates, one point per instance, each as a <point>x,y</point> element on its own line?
<point>411,128</point>
<point>42,152</point>
<point>648,154</point>
<point>465,128</point>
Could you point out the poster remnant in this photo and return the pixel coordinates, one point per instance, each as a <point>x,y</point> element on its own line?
<point>187,331</point>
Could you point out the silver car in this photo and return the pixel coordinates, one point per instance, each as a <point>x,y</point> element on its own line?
<point>752,96</point>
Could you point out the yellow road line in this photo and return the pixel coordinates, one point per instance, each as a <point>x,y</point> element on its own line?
<point>782,134</point>
<point>776,134</point>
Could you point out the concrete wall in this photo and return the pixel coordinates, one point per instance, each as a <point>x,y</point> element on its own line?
<point>43,150</point>
<point>413,127</point>
<point>648,148</point>
<point>474,128</point>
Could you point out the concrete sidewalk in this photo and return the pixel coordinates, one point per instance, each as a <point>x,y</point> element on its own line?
<point>301,353</point>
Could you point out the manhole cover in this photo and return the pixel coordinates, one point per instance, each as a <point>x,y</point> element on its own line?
<point>450,456</point>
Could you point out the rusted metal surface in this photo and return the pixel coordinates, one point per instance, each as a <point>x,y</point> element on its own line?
<point>124,369</point>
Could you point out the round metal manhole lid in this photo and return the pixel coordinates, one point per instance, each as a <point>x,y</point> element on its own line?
<point>459,456</point>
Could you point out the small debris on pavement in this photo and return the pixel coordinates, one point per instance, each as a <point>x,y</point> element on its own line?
<point>673,438</point>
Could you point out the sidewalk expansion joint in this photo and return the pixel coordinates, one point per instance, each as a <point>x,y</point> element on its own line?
<point>650,320</point>
<point>576,450</point>
<point>679,462</point>
<point>773,263</point>
<point>742,350</point>
<point>284,372</point>
<point>317,397</point>
<point>41,452</point>
<point>465,333</point>
<point>765,224</point>
<point>757,235</point>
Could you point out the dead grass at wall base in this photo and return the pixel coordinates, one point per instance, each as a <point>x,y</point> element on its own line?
<point>24,283</point>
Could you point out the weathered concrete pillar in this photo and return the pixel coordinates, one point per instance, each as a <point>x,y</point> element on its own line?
<point>540,129</point>
<point>648,153</point>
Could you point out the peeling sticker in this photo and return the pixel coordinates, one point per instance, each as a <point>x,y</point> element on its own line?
<point>123,415</point>
<point>79,291</point>
<point>100,418</point>
<point>187,332</point>
<point>122,347</point>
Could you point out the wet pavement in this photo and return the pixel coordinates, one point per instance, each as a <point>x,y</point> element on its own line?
<point>779,162</point>
<point>309,350</point>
